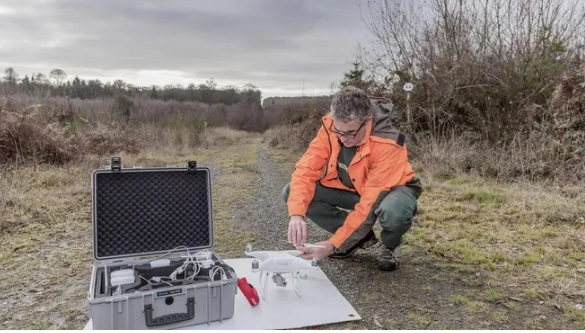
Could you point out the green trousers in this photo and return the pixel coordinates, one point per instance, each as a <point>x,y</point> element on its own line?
<point>395,212</point>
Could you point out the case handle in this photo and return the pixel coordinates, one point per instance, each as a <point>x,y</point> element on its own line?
<point>170,318</point>
<point>191,165</point>
<point>116,163</point>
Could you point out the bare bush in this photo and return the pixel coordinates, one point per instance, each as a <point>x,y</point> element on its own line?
<point>102,140</point>
<point>60,129</point>
<point>477,66</point>
<point>535,158</point>
<point>26,136</point>
<point>40,134</point>
<point>246,116</point>
<point>295,123</point>
<point>301,128</point>
<point>502,80</point>
<point>295,111</point>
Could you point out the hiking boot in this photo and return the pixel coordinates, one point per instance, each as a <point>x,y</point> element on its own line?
<point>387,260</point>
<point>368,241</point>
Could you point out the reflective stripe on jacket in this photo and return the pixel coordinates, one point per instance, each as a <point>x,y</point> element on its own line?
<point>380,163</point>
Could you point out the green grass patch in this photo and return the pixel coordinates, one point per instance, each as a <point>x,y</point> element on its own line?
<point>491,296</point>
<point>420,320</point>
<point>483,197</point>
<point>458,299</point>
<point>368,298</point>
<point>476,307</point>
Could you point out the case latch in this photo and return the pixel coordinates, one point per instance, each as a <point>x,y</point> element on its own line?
<point>116,164</point>
<point>191,165</point>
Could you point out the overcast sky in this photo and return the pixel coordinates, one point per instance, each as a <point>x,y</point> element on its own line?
<point>277,45</point>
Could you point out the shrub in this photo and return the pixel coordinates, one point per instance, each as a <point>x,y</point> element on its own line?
<point>26,137</point>
<point>33,136</point>
<point>487,67</point>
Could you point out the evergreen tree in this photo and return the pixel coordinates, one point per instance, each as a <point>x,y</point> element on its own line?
<point>355,77</point>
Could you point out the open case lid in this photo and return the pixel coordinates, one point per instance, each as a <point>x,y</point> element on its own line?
<point>149,211</point>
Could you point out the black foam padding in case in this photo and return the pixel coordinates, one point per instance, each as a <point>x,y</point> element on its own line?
<point>139,212</point>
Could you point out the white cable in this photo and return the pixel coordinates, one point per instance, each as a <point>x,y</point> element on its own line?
<point>171,251</point>
<point>194,259</point>
<point>156,279</point>
<point>143,278</point>
<point>159,279</point>
<point>214,270</point>
<point>206,255</point>
<point>196,270</point>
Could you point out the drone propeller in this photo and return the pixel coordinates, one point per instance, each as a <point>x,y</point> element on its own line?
<point>283,262</point>
<point>263,255</point>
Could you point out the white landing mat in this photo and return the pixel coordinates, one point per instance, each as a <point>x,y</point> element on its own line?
<point>320,303</point>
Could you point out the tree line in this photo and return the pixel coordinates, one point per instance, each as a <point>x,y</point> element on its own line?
<point>57,84</point>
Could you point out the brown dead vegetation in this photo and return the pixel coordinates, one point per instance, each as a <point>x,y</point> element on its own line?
<point>40,135</point>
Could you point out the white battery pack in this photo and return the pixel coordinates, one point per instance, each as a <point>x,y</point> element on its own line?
<point>122,277</point>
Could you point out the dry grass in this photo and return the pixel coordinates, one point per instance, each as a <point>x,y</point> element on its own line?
<point>223,136</point>
<point>46,248</point>
<point>296,137</point>
<point>31,136</point>
<point>536,157</point>
<point>284,137</point>
<point>295,125</point>
<point>511,233</point>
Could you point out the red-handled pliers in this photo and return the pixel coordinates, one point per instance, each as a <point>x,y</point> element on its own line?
<point>249,291</point>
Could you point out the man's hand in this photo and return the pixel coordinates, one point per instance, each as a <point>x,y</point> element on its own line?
<point>297,230</point>
<point>317,252</point>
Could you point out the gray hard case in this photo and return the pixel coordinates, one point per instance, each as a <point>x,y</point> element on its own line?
<point>143,213</point>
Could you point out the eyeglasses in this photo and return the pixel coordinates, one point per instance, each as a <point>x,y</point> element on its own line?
<point>348,134</point>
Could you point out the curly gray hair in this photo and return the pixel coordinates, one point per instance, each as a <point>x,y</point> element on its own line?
<point>351,103</point>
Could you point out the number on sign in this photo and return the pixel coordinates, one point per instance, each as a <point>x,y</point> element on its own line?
<point>408,86</point>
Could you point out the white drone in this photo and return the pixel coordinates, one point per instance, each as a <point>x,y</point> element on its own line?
<point>278,263</point>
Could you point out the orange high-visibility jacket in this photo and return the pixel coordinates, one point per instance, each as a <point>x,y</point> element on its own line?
<point>380,163</point>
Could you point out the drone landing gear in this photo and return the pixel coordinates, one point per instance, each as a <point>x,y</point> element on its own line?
<point>295,280</point>
<point>279,280</point>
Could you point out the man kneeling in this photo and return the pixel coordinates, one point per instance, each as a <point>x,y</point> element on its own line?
<point>358,163</point>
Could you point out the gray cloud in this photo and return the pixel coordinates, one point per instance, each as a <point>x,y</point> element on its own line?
<point>277,45</point>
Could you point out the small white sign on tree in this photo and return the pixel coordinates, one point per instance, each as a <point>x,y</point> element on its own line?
<point>408,88</point>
